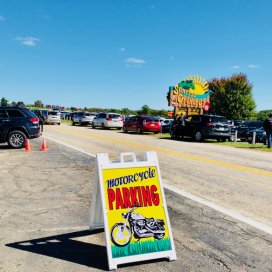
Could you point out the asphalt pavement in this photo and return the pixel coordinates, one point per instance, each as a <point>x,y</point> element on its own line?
<point>45,210</point>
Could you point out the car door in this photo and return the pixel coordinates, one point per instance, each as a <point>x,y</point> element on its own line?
<point>99,119</point>
<point>3,123</point>
<point>133,123</point>
<point>191,125</point>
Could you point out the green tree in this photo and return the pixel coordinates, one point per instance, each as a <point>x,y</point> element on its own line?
<point>38,104</point>
<point>232,97</point>
<point>262,115</point>
<point>4,101</point>
<point>20,104</point>
<point>145,110</point>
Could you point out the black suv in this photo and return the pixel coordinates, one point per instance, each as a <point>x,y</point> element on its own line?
<point>16,125</point>
<point>200,127</point>
<point>243,127</point>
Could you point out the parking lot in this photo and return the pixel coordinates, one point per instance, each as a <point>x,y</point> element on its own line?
<point>45,203</point>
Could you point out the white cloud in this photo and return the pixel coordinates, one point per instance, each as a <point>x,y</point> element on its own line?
<point>253,66</point>
<point>28,41</point>
<point>2,18</point>
<point>135,61</point>
<point>235,67</point>
<point>122,49</point>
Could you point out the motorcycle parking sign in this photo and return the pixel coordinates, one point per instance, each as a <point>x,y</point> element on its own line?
<point>129,198</point>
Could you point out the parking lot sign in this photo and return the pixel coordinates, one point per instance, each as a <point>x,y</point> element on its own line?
<point>129,203</point>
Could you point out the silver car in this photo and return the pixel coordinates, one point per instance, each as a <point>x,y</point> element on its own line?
<point>83,118</point>
<point>53,117</point>
<point>108,120</point>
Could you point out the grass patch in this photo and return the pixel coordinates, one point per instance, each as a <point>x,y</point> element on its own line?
<point>67,122</point>
<point>244,145</point>
<point>141,248</point>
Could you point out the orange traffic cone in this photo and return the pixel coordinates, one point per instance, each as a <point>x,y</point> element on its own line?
<point>27,146</point>
<point>44,147</point>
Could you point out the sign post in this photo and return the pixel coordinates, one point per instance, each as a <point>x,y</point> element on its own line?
<point>129,202</point>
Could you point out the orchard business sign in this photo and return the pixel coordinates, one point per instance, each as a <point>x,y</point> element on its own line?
<point>192,92</point>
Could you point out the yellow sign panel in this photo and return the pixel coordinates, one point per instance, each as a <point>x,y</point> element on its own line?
<point>135,213</point>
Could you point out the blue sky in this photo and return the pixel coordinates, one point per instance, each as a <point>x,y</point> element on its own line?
<point>126,53</point>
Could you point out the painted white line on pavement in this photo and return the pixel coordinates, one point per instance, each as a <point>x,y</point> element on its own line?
<point>234,214</point>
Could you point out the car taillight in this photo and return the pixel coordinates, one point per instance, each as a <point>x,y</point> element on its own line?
<point>211,124</point>
<point>34,120</point>
<point>109,119</point>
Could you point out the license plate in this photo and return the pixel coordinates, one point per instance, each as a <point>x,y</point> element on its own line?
<point>221,129</point>
<point>152,125</point>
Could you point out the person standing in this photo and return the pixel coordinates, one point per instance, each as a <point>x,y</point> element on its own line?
<point>41,119</point>
<point>267,125</point>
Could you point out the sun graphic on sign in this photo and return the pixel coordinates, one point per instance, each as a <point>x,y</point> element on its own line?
<point>201,85</point>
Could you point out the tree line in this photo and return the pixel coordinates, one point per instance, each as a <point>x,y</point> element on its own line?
<point>231,97</point>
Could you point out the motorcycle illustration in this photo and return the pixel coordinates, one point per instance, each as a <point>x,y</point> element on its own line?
<point>138,225</point>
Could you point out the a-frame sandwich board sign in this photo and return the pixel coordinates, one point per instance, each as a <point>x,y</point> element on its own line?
<point>128,202</point>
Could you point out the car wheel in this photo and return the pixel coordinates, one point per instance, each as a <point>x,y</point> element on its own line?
<point>16,139</point>
<point>156,132</point>
<point>73,123</point>
<point>223,139</point>
<point>138,130</point>
<point>125,129</point>
<point>59,124</point>
<point>93,125</point>
<point>79,123</point>
<point>198,136</point>
<point>103,126</point>
<point>173,134</point>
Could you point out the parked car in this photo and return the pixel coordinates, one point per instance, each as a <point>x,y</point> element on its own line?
<point>242,127</point>
<point>83,118</point>
<point>259,138</point>
<point>202,126</point>
<point>17,125</point>
<point>140,124</point>
<point>64,114</point>
<point>166,125</point>
<point>53,117</point>
<point>108,120</point>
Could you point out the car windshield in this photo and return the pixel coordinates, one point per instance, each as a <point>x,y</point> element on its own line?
<point>151,119</point>
<point>167,122</point>
<point>114,116</point>
<point>53,113</point>
<point>218,120</point>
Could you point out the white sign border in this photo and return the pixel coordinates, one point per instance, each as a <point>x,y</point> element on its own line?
<point>98,216</point>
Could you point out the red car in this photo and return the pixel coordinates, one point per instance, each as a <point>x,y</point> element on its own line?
<point>141,124</point>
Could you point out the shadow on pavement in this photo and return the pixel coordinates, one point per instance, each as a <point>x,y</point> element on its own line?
<point>64,247</point>
<point>2,146</point>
